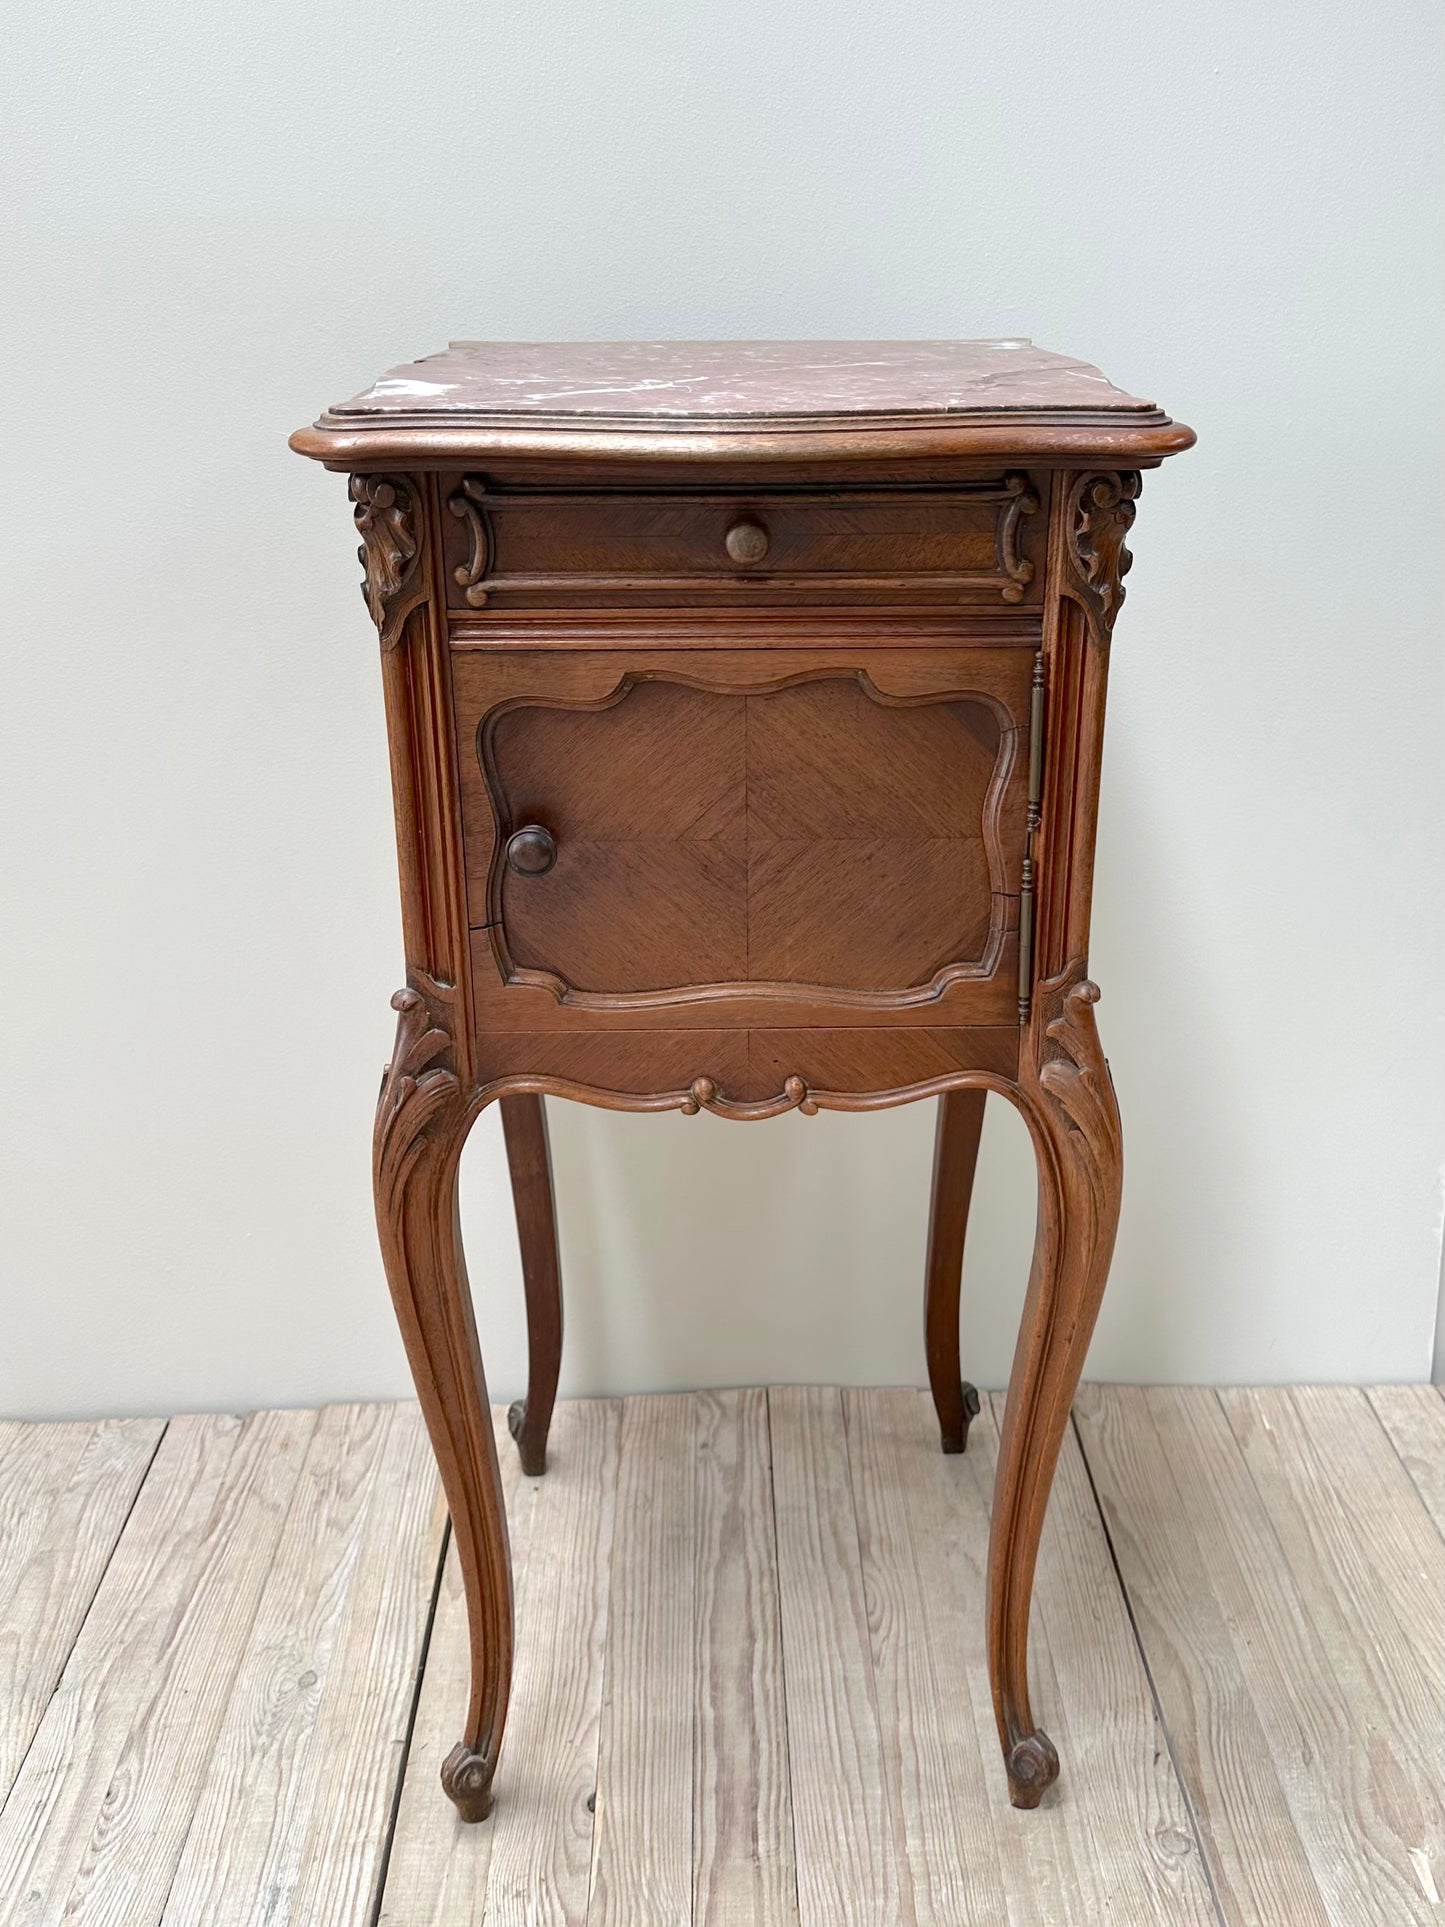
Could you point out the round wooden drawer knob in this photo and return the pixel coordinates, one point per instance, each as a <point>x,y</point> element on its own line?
<point>532,851</point>
<point>746,543</point>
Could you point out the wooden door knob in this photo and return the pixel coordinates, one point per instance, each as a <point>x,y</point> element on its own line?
<point>532,851</point>
<point>746,542</point>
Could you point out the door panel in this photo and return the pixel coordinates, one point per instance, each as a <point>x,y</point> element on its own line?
<point>791,829</point>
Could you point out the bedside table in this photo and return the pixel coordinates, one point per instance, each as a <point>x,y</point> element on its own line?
<point>745,705</point>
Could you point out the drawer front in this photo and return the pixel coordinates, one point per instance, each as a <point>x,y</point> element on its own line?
<point>724,837</point>
<point>977,544</point>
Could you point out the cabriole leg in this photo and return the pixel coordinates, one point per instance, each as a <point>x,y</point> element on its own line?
<point>421,1125</point>
<point>1068,1100</point>
<point>955,1155</point>
<point>529,1158</point>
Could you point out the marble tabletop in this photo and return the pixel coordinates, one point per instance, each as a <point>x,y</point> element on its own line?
<point>673,383</point>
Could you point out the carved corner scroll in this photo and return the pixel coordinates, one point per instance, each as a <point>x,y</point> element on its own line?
<point>1100,514</point>
<point>388,520</point>
<point>1018,500</point>
<point>468,505</point>
<point>1074,1072</point>
<point>415,1091</point>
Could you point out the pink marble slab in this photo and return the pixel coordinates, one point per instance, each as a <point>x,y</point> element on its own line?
<point>675,383</point>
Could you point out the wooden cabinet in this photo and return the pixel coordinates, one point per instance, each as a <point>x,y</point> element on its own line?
<point>745,705</point>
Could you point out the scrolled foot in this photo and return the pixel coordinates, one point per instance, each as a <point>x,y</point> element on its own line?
<point>530,1450</point>
<point>467,1782</point>
<point>1033,1766</point>
<point>955,1436</point>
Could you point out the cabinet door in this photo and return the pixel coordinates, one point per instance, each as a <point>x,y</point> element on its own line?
<point>749,828</point>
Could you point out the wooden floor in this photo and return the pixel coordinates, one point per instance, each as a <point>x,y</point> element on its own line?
<point>750,1686</point>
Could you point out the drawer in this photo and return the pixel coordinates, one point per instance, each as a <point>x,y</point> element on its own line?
<point>739,837</point>
<point>977,543</point>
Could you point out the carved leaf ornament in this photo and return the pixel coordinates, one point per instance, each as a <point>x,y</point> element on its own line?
<point>1101,513</point>
<point>414,1091</point>
<point>385,520</point>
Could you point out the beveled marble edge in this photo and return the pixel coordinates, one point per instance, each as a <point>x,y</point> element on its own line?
<point>1117,438</point>
<point>741,421</point>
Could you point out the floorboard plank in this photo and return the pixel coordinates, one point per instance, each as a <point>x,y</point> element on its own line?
<point>1363,1675</point>
<point>1360,1771</point>
<point>1039,1865</point>
<point>439,1866</point>
<point>843,1824</point>
<point>348,1782</point>
<point>99,1813</point>
<point>743,1869</point>
<point>642,1842</point>
<point>1114,1841</point>
<point>1261,1872</point>
<point>542,1854</point>
<point>1351,1497</point>
<point>1136,1857</point>
<point>65,1494</point>
<point>1414,1417</point>
<point>358,1547</point>
<point>925,1624</point>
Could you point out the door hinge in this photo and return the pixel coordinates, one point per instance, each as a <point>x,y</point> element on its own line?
<point>1036,801</point>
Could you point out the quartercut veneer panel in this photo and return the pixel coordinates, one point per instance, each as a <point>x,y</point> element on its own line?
<point>622,1064</point>
<point>835,758</point>
<point>877,1060</point>
<point>820,834</point>
<point>866,913</point>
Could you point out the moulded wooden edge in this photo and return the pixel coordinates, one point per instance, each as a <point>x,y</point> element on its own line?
<point>972,625</point>
<point>1059,440</point>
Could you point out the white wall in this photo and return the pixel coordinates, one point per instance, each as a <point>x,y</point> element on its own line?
<point>220,218</point>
